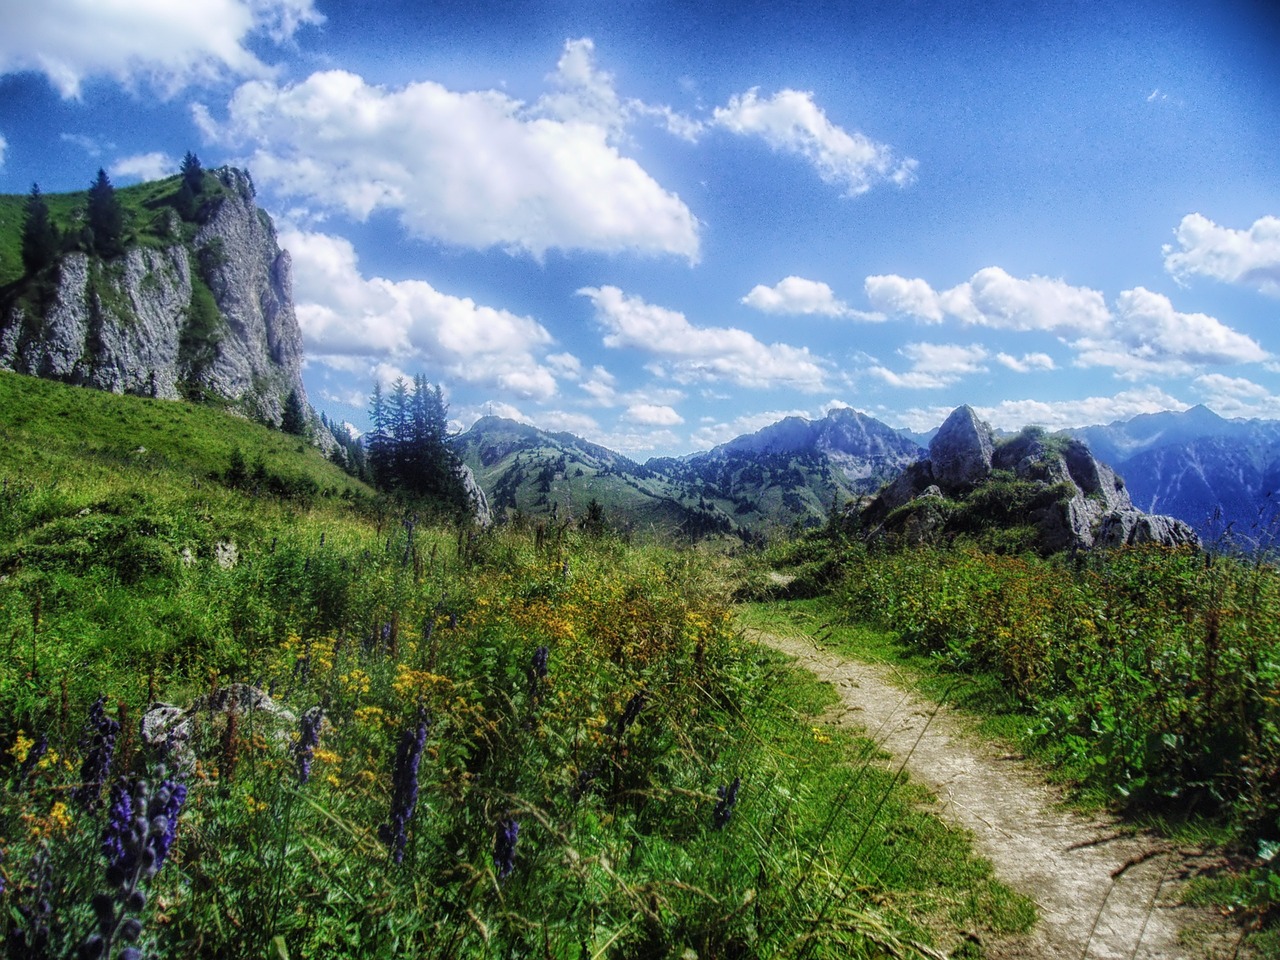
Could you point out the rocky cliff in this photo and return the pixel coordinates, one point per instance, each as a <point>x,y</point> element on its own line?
<point>1029,490</point>
<point>196,308</point>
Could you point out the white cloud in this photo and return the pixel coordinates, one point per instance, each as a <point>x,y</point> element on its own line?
<point>88,144</point>
<point>4,145</point>
<point>1027,362</point>
<point>690,353</point>
<point>653,415</point>
<point>582,424</point>
<point>144,166</point>
<point>408,322</point>
<point>167,44</point>
<point>1150,337</point>
<point>1237,396</point>
<point>796,295</point>
<point>564,365</point>
<point>1056,415</point>
<point>993,298</point>
<point>791,122</point>
<point>584,93</point>
<point>1250,257</point>
<point>934,365</point>
<point>476,169</point>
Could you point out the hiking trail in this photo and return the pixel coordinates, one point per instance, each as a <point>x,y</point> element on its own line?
<point>1103,891</point>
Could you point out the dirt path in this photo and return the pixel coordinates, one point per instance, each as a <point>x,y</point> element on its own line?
<point>1102,893</point>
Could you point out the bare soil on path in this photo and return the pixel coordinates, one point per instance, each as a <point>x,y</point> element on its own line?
<point>1104,892</point>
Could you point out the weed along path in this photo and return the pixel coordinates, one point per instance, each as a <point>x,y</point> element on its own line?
<point>1103,893</point>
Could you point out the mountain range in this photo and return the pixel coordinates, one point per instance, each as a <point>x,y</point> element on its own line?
<point>1215,474</point>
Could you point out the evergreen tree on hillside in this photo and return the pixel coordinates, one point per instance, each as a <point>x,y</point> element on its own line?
<point>39,236</point>
<point>105,218</point>
<point>294,419</point>
<point>192,173</point>
<point>407,448</point>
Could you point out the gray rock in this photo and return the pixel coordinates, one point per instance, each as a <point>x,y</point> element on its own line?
<point>180,732</point>
<point>1133,528</point>
<point>480,503</point>
<point>960,452</point>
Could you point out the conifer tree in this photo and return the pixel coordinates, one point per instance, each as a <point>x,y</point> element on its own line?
<point>294,419</point>
<point>39,236</point>
<point>192,172</point>
<point>105,217</point>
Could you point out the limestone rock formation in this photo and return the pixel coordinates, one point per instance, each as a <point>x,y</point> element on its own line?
<point>1051,485</point>
<point>960,452</point>
<point>208,314</point>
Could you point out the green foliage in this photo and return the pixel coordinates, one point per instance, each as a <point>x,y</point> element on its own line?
<point>131,573</point>
<point>104,217</point>
<point>1147,670</point>
<point>294,420</point>
<point>201,332</point>
<point>39,236</point>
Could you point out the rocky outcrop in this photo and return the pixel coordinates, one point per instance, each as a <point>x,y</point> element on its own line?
<point>1050,484</point>
<point>145,323</point>
<point>960,452</point>
<point>479,502</point>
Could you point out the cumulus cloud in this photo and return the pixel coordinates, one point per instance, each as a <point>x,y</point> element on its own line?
<point>796,295</point>
<point>653,415</point>
<point>475,169</point>
<point>993,298</point>
<point>144,166</point>
<point>1250,257</point>
<point>409,323</point>
<point>1054,415</point>
<point>1027,363</point>
<point>4,145</point>
<point>934,365</point>
<point>1237,396</point>
<point>791,122</point>
<point>166,44</point>
<point>691,353</point>
<point>1150,337</point>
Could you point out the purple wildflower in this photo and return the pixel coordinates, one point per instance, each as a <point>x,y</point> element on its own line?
<point>537,671</point>
<point>308,740</point>
<point>404,784</point>
<point>724,806</point>
<point>100,742</point>
<point>34,756</point>
<point>504,848</point>
<point>29,939</point>
<point>630,713</point>
<point>139,832</point>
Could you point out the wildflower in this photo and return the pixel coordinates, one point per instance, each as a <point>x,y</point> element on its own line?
<point>404,784</point>
<point>100,742</point>
<point>724,806</point>
<point>630,713</point>
<point>30,937</point>
<point>504,848</point>
<point>34,758</point>
<point>537,671</point>
<point>587,776</point>
<point>140,830</point>
<point>308,739</point>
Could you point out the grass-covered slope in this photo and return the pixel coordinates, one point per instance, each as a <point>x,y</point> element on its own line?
<point>499,744</point>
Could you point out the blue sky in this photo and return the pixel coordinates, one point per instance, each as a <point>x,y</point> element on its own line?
<point>662,225</point>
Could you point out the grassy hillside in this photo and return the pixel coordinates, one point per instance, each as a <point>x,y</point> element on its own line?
<point>499,744</point>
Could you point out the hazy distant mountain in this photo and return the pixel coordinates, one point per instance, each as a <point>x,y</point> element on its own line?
<point>789,473</point>
<point>1197,466</point>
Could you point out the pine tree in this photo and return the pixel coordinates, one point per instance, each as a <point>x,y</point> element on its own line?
<point>376,442</point>
<point>39,236</point>
<point>105,217</point>
<point>192,173</point>
<point>294,419</point>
